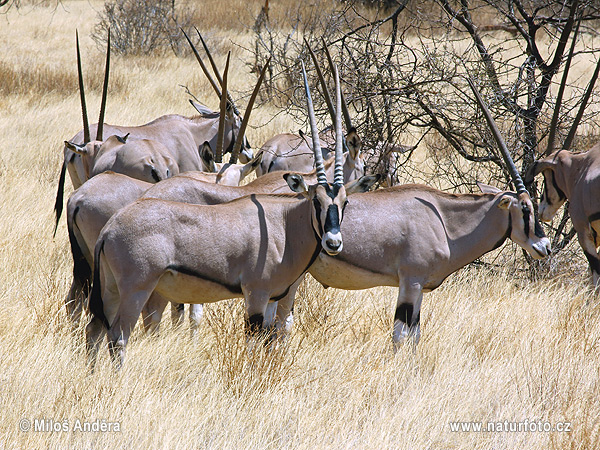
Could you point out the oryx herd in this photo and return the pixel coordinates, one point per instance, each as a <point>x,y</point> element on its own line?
<point>156,217</point>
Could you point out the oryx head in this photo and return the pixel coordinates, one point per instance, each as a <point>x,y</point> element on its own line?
<point>525,229</point>
<point>553,196</point>
<point>143,159</point>
<point>328,199</point>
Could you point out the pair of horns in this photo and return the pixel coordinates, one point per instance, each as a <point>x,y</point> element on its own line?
<point>86,126</point>
<point>338,177</point>
<point>332,111</point>
<point>223,109</point>
<point>226,99</point>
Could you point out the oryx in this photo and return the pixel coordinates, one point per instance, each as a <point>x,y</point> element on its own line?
<point>257,247</point>
<point>418,236</point>
<point>181,136</point>
<point>91,205</point>
<point>574,177</point>
<point>291,152</point>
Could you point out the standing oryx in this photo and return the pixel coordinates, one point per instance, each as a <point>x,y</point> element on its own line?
<point>256,248</point>
<point>574,177</point>
<point>291,152</point>
<point>178,135</point>
<point>414,236</point>
<point>92,204</point>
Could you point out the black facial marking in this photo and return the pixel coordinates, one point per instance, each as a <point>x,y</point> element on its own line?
<point>254,323</point>
<point>317,206</point>
<point>561,194</point>
<point>186,271</point>
<point>332,219</point>
<point>526,218</point>
<point>404,313</point>
<point>155,175</point>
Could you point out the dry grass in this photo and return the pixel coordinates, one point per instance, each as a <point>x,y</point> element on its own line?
<point>492,349</point>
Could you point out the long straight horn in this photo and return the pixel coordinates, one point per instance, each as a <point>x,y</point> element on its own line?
<point>216,72</point>
<point>321,176</point>
<point>202,65</point>
<point>240,139</point>
<point>104,91</point>
<point>338,177</point>
<point>323,84</point>
<point>518,182</point>
<point>223,108</point>
<point>588,92</point>
<point>561,91</point>
<point>347,118</point>
<point>86,125</point>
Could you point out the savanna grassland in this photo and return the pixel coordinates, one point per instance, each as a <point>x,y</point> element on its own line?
<point>494,346</point>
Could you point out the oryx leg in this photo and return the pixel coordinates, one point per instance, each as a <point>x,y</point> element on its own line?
<point>94,333</point>
<point>75,300</point>
<point>256,308</point>
<point>279,314</point>
<point>408,312</point>
<point>196,311</point>
<point>152,312</point>
<point>177,314</point>
<point>132,301</point>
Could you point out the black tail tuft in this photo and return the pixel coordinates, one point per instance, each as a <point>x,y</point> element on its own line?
<point>58,205</point>
<point>82,272</point>
<point>96,305</point>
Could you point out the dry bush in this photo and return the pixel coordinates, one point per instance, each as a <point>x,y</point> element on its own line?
<point>143,27</point>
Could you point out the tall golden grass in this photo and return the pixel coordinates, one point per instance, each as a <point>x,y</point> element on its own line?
<point>493,346</point>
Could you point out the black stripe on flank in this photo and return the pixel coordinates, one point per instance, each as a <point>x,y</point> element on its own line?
<point>82,272</point>
<point>233,288</point>
<point>310,263</point>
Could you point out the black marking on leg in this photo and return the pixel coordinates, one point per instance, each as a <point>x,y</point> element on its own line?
<point>82,272</point>
<point>404,313</point>
<point>254,323</point>
<point>593,261</point>
<point>180,307</point>
<point>234,288</point>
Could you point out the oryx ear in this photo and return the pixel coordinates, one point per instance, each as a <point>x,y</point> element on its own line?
<point>353,142</point>
<point>363,184</point>
<point>505,202</point>
<point>208,157</point>
<point>122,139</point>
<point>251,166</point>
<point>80,149</point>
<point>487,189</point>
<point>202,110</point>
<point>296,183</point>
